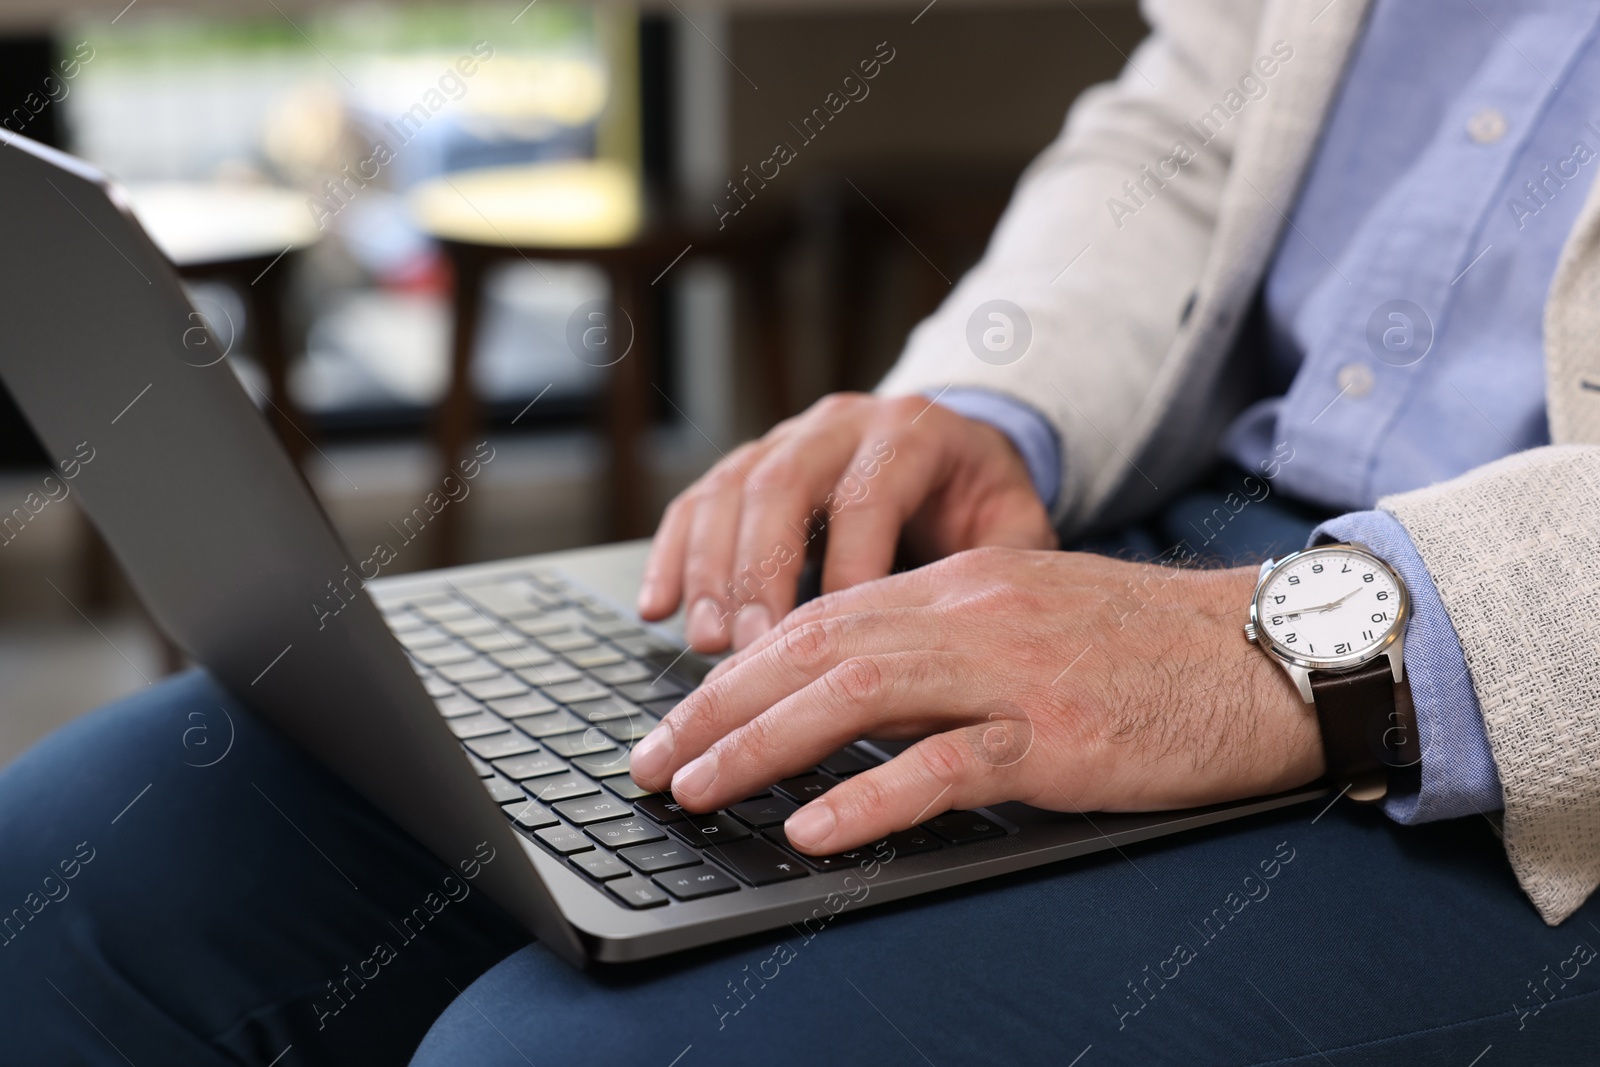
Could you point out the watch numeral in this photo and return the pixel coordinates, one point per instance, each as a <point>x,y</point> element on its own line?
<point>1294,579</point>
<point>1291,638</point>
<point>1277,620</point>
<point>1367,577</point>
<point>1379,617</point>
<point>1345,569</point>
<point>1383,594</point>
<point>1278,600</point>
<point>1316,568</point>
<point>1366,635</point>
<point>1341,648</point>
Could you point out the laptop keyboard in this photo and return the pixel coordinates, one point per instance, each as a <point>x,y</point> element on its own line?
<point>548,689</point>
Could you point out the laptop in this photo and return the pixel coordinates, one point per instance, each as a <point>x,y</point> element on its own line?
<point>482,707</point>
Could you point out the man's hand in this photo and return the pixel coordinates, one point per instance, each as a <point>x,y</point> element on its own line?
<point>1066,680</point>
<point>731,546</point>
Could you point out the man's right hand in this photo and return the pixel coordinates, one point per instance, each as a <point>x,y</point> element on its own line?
<point>731,545</point>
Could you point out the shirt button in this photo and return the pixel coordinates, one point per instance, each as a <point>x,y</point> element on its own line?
<point>1355,379</point>
<point>1487,126</point>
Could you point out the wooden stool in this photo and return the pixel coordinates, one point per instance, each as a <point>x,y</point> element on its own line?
<point>593,211</point>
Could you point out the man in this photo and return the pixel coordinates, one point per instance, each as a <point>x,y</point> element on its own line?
<point>1349,251</point>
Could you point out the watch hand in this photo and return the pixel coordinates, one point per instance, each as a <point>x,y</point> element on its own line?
<point>1341,600</point>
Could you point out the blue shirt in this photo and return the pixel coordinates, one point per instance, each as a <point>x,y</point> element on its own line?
<point>1405,305</point>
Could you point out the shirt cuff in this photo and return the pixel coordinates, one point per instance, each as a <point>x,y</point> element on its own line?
<point>1458,772</point>
<point>1030,433</point>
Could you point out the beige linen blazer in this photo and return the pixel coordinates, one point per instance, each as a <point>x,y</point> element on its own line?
<point>1135,311</point>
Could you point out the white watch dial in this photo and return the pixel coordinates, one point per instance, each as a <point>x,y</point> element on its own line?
<point>1329,604</point>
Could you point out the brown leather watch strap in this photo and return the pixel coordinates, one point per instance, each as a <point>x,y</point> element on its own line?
<point>1369,737</point>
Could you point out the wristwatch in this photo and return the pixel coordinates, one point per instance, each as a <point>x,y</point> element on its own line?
<point>1333,617</point>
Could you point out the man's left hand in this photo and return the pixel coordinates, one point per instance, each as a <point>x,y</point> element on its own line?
<point>1066,680</point>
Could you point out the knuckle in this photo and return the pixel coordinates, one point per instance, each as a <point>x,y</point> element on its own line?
<point>858,680</point>
<point>864,796</point>
<point>905,408</point>
<point>949,760</point>
<point>811,643</point>
<point>754,744</point>
<point>837,404</point>
<point>778,470</point>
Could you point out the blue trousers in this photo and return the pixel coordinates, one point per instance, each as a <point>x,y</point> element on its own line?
<point>179,884</point>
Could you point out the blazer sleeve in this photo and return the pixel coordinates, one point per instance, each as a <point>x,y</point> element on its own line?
<point>1105,238</point>
<point>1512,547</point>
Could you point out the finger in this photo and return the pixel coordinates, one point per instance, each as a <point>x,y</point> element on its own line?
<point>709,554</point>
<point>897,694</point>
<point>721,706</point>
<point>936,774</point>
<point>865,530</point>
<point>909,590</point>
<point>662,586</point>
<point>780,519</point>
<point>1015,520</point>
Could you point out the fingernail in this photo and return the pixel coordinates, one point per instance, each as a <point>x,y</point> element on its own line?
<point>649,757</point>
<point>811,825</point>
<point>750,624</point>
<point>693,780</point>
<point>704,629</point>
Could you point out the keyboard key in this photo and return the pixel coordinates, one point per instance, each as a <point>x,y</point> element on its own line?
<point>692,883</point>
<point>561,787</point>
<point>440,655</point>
<point>848,761</point>
<point>629,670</point>
<point>620,833</point>
<point>560,621</point>
<point>518,658</point>
<point>503,791</point>
<point>551,673</point>
<point>452,707</point>
<point>960,827</point>
<point>666,855</point>
<point>636,892</point>
<point>598,711</point>
<point>470,627</point>
<point>498,641</point>
<point>628,730</point>
<point>601,866</point>
<point>496,688</point>
<point>474,670</point>
<point>603,764</point>
<point>908,843</point>
<point>531,765</point>
<point>443,609</point>
<point>613,627</point>
<point>761,814</point>
<point>525,704</point>
<point>403,621</point>
<point>586,743</point>
<point>437,687</point>
<point>759,863</point>
<point>496,746</point>
<point>480,768</point>
<point>839,861</point>
<point>805,787</point>
<point>660,807</point>
<point>659,708</point>
<point>573,692</point>
<point>567,641</point>
<point>597,808</point>
<point>712,829</point>
<point>545,726</point>
<point>641,692</point>
<point>530,814</point>
<point>645,646</point>
<point>626,788</point>
<point>508,600</point>
<point>598,656</point>
<point>418,639</point>
<point>480,725</point>
<point>564,839</point>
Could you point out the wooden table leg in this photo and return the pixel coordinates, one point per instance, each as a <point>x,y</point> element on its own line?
<point>458,414</point>
<point>627,404</point>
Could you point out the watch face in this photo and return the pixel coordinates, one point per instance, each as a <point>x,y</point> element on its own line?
<point>1334,604</point>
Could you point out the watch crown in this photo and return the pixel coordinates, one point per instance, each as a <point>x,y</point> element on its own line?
<point>1250,632</point>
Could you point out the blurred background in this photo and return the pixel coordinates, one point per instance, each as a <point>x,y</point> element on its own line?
<point>398,221</point>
